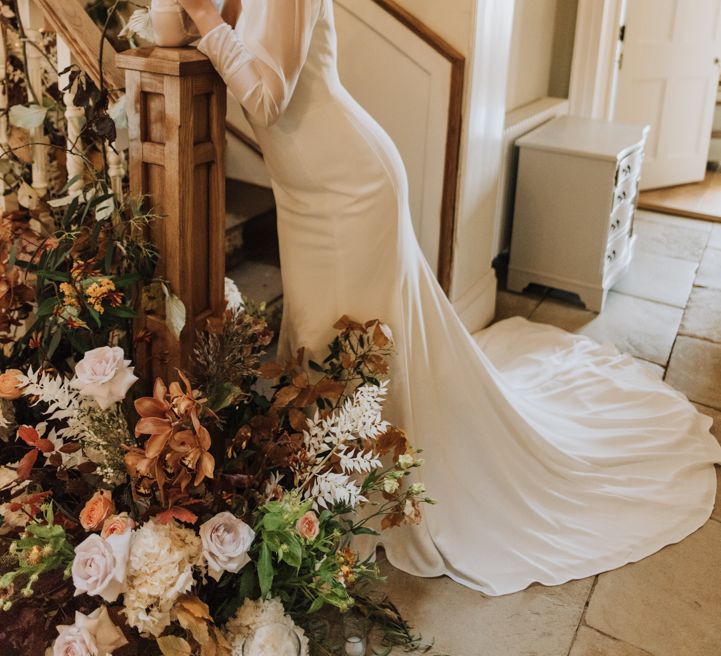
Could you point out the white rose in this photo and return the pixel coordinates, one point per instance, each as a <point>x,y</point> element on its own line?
<point>100,564</point>
<point>390,485</point>
<point>91,634</point>
<point>405,461</point>
<point>104,374</point>
<point>233,296</point>
<point>417,488</point>
<point>226,541</point>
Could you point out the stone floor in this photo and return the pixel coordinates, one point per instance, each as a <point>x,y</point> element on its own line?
<point>667,313</point>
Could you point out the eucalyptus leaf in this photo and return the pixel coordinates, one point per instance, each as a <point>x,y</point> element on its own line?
<point>28,117</point>
<point>28,197</point>
<point>175,313</point>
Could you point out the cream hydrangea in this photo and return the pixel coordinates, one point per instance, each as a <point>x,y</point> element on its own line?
<point>267,629</point>
<point>161,565</point>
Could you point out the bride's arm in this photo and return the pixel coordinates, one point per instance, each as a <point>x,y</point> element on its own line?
<point>260,64</point>
<point>231,12</point>
<point>204,13</point>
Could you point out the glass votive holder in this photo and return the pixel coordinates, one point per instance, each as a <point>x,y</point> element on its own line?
<point>355,633</point>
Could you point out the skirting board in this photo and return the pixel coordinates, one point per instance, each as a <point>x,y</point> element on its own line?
<point>477,307</point>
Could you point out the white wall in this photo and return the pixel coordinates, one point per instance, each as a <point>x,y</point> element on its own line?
<point>541,50</point>
<point>451,19</point>
<point>529,71</point>
<point>481,31</point>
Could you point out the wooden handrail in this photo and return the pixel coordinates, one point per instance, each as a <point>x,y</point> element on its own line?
<point>69,19</point>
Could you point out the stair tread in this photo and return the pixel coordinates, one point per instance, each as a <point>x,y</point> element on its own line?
<point>245,201</point>
<point>257,280</point>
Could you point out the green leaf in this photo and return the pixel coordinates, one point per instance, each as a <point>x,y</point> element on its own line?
<point>121,312</point>
<point>54,342</point>
<point>273,522</point>
<point>47,306</point>
<point>364,530</point>
<point>96,316</point>
<point>265,570</point>
<point>58,276</point>
<point>317,604</point>
<point>294,555</point>
<point>70,183</point>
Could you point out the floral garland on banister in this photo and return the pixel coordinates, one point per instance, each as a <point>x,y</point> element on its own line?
<point>213,517</point>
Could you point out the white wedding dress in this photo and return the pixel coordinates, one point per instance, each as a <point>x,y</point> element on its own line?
<point>552,457</point>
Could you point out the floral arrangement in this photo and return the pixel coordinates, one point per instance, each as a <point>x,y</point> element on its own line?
<point>207,515</point>
<point>215,514</point>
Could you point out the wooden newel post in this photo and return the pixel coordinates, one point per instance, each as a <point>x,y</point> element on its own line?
<point>176,111</point>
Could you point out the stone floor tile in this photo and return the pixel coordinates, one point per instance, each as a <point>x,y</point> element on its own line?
<point>540,620</point>
<point>668,603</point>
<point>658,278</point>
<point>592,643</point>
<point>695,369</point>
<point>509,304</point>
<point>715,240</point>
<point>680,221</point>
<point>709,273</point>
<point>258,280</point>
<point>702,317</point>
<point>636,326</point>
<point>563,315</point>
<point>664,238</point>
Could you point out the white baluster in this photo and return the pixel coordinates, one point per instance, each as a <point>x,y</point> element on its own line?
<point>116,168</point>
<point>4,137</point>
<point>32,19</point>
<point>75,117</point>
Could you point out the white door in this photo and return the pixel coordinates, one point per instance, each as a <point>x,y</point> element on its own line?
<point>668,79</point>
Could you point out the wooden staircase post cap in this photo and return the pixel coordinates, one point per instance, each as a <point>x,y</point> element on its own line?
<point>177,62</point>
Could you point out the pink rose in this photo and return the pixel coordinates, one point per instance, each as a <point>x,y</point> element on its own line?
<point>104,375</point>
<point>99,565</point>
<point>96,510</point>
<point>308,526</point>
<point>226,541</point>
<point>117,525</point>
<point>10,382</point>
<point>91,634</point>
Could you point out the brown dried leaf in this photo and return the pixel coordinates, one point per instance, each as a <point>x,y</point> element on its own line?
<point>297,419</point>
<point>346,322</point>
<point>173,646</point>
<point>329,389</point>
<point>377,363</point>
<point>285,395</point>
<point>394,439</point>
<point>271,370</point>
<point>25,466</point>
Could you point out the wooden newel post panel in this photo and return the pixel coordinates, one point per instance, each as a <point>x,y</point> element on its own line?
<point>176,111</point>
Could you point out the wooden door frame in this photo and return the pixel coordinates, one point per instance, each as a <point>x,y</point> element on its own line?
<point>594,69</point>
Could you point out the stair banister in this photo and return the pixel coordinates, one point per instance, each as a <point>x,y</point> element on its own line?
<point>176,106</point>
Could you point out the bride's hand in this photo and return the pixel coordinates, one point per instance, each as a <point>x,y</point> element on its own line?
<point>204,14</point>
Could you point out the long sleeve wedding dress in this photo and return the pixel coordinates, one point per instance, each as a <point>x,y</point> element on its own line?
<point>552,457</point>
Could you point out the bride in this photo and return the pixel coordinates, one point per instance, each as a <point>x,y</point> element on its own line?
<point>553,457</point>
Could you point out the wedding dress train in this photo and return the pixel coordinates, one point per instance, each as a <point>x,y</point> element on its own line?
<point>552,457</point>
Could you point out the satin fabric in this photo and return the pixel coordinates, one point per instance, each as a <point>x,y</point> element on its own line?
<point>552,457</point>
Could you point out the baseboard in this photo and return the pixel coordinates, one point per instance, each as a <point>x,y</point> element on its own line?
<point>477,306</point>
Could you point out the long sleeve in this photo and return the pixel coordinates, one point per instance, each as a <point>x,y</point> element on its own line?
<point>262,59</point>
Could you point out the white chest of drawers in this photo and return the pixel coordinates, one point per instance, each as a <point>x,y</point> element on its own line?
<point>576,196</point>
